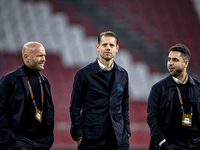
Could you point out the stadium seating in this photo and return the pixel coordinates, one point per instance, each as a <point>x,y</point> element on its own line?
<point>67,28</point>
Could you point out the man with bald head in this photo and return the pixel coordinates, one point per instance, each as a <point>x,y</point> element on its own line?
<point>33,54</point>
<point>26,107</point>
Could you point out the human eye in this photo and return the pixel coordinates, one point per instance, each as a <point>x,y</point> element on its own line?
<point>175,59</point>
<point>112,45</point>
<point>41,55</point>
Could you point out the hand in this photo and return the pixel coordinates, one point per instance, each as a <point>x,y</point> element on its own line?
<point>79,141</point>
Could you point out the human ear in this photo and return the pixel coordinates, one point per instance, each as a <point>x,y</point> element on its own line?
<point>97,47</point>
<point>186,63</point>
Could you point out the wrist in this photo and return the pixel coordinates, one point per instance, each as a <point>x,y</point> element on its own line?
<point>79,138</point>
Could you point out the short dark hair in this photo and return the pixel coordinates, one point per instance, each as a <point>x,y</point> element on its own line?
<point>185,52</point>
<point>107,33</point>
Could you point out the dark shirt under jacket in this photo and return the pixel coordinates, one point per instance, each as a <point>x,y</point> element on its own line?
<point>30,126</point>
<point>110,135</point>
<point>109,76</point>
<point>175,126</point>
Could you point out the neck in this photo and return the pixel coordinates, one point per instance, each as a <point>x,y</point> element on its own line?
<point>29,71</point>
<point>106,63</point>
<point>182,77</point>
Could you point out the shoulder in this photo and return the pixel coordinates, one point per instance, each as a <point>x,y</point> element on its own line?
<point>119,68</point>
<point>84,71</point>
<point>85,68</point>
<point>194,81</point>
<point>44,78</point>
<point>12,75</point>
<point>163,82</point>
<point>90,68</point>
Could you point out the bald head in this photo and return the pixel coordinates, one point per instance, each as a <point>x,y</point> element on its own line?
<point>33,54</point>
<point>30,46</point>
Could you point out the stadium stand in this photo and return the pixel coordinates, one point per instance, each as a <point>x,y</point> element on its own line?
<point>68,30</point>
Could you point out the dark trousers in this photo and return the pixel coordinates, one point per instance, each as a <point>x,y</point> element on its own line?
<point>109,143</point>
<point>184,144</point>
<point>24,143</point>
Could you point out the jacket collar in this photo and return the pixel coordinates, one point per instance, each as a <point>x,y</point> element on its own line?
<point>104,67</point>
<point>171,82</point>
<point>96,69</point>
<point>20,72</point>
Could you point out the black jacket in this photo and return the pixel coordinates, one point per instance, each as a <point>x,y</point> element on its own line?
<point>14,94</point>
<point>160,103</point>
<point>92,94</point>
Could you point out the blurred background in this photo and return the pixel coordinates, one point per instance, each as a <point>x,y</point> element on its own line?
<point>68,29</point>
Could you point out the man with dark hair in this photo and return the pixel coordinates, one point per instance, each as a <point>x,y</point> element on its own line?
<point>26,107</point>
<point>99,108</point>
<point>174,106</point>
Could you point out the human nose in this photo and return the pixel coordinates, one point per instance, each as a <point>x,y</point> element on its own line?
<point>43,58</point>
<point>108,47</point>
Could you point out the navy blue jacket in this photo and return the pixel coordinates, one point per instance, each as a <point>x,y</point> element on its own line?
<point>160,103</point>
<point>14,94</point>
<point>92,95</point>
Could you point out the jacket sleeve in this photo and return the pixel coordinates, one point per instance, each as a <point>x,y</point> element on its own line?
<point>126,107</point>
<point>5,95</point>
<point>77,99</point>
<point>49,113</point>
<point>154,115</point>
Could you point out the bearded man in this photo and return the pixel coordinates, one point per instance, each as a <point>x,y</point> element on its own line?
<point>174,106</point>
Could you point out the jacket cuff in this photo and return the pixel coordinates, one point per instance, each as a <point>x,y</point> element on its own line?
<point>76,134</point>
<point>161,143</point>
<point>159,138</point>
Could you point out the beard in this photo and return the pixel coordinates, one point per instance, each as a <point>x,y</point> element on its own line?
<point>176,72</point>
<point>36,66</point>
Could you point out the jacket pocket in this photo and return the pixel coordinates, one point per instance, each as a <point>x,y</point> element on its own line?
<point>92,126</point>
